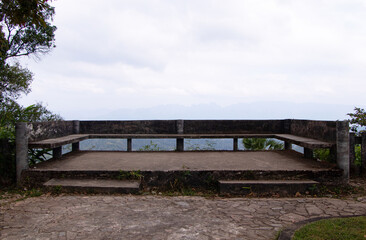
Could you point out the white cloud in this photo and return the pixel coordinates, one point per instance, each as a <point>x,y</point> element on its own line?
<point>147,53</point>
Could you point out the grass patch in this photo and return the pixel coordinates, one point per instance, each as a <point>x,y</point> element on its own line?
<point>14,194</point>
<point>34,192</point>
<point>277,235</point>
<point>186,191</point>
<point>353,228</point>
<point>130,175</point>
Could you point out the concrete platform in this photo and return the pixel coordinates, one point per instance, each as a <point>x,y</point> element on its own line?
<point>179,170</point>
<point>268,187</point>
<point>173,161</point>
<point>95,186</point>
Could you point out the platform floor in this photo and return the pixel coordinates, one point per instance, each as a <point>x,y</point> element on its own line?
<point>172,161</point>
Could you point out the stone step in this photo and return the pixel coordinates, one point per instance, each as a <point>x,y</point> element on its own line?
<point>93,185</point>
<point>266,187</point>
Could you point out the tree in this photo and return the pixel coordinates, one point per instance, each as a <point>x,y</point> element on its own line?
<point>25,30</point>
<point>358,124</point>
<point>14,81</point>
<point>358,120</point>
<point>26,27</point>
<point>261,144</point>
<point>10,114</point>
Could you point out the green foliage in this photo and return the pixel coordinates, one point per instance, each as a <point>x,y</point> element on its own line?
<point>34,192</point>
<point>358,155</point>
<point>261,144</point>
<point>277,235</point>
<point>11,113</point>
<point>358,124</point>
<point>180,183</point>
<point>14,81</point>
<point>209,145</point>
<point>338,228</point>
<point>150,147</point>
<point>26,27</point>
<point>358,120</point>
<point>56,190</point>
<point>25,30</point>
<point>323,155</point>
<point>38,155</point>
<point>130,175</point>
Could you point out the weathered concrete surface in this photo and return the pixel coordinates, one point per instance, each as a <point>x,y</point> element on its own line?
<point>233,126</point>
<point>190,169</point>
<point>95,186</point>
<point>21,154</point>
<point>57,142</point>
<point>244,187</point>
<point>153,217</point>
<point>343,148</point>
<point>125,127</point>
<point>43,130</point>
<point>321,130</point>
<point>168,161</point>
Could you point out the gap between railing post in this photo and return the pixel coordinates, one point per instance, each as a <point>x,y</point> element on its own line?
<point>354,170</point>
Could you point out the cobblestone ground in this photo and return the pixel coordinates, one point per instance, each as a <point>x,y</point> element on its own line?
<point>154,217</point>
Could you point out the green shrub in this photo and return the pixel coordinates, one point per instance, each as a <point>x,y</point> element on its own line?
<point>11,113</point>
<point>262,144</point>
<point>324,155</point>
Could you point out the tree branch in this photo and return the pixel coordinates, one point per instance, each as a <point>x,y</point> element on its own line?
<point>14,36</point>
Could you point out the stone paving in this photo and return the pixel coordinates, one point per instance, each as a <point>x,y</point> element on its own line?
<point>158,217</point>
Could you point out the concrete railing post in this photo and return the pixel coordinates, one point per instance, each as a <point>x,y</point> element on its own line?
<point>343,148</point>
<point>21,155</point>
<point>287,130</point>
<point>235,144</point>
<point>288,146</point>
<point>76,130</point>
<point>180,130</point>
<point>129,145</point>
<point>308,153</point>
<point>363,153</point>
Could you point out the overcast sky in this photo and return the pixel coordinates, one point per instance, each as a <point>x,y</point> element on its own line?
<point>141,54</point>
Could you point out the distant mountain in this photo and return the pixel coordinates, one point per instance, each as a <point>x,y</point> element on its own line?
<point>156,144</point>
<point>254,110</point>
<point>162,144</point>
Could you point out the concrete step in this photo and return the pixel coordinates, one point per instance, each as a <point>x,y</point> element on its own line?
<point>93,185</point>
<point>266,187</point>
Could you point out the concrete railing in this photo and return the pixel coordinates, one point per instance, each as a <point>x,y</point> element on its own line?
<point>359,168</point>
<point>309,132</point>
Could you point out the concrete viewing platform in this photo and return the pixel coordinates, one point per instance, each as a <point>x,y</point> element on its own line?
<point>231,171</point>
<point>176,161</point>
<point>177,170</point>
